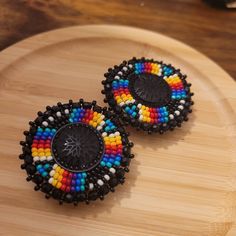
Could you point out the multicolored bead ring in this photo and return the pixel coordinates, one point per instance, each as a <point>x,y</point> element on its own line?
<point>76,152</point>
<point>148,94</point>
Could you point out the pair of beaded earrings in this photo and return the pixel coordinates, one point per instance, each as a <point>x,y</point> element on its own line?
<point>79,151</point>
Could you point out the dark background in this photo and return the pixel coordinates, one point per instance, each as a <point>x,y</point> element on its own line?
<point>208,29</point>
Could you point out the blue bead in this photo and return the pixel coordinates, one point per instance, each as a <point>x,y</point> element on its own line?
<point>39,167</point>
<point>82,188</point>
<point>118,158</point>
<point>46,166</point>
<point>117,163</point>
<point>78,181</point>
<point>41,170</point>
<point>77,188</point>
<point>44,174</point>
<point>108,164</point>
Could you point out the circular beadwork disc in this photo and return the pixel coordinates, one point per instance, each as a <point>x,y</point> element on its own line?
<point>76,152</point>
<point>148,94</point>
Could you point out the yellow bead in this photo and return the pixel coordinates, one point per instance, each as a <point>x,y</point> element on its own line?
<point>60,177</point>
<point>61,171</point>
<point>95,124</point>
<point>34,154</point>
<point>54,182</point>
<point>58,169</point>
<point>148,119</point>
<point>144,118</point>
<point>47,150</point>
<point>113,144</point>
<point>56,175</point>
<point>58,185</point>
<point>48,154</point>
<point>41,154</point>
<point>118,142</point>
<point>91,122</point>
<point>34,149</point>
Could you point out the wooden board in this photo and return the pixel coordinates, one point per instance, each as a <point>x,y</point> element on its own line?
<point>181,183</point>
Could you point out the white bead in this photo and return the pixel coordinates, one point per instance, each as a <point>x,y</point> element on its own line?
<point>36,158</point>
<point>99,127</point>
<point>117,133</point>
<point>120,73</point>
<point>124,68</point>
<point>164,125</point>
<point>100,182</point>
<point>139,105</point>
<point>50,180</point>
<point>102,123</point>
<point>140,117</point>
<point>45,123</point>
<point>67,111</point>
<point>130,66</point>
<point>112,170</point>
<point>55,166</point>
<point>58,114</point>
<point>182,101</point>
<point>132,101</point>
<point>52,172</point>
<point>165,77</point>
<point>122,104</point>
<point>175,75</point>
<point>159,74</point>
<point>117,77</point>
<point>51,118</point>
<point>140,112</point>
<point>91,186</point>
<point>107,177</point>
<point>49,158</point>
<point>180,107</point>
<point>111,135</point>
<point>102,117</point>
<point>43,158</point>
<point>127,102</point>
<point>171,116</point>
<point>177,113</point>
<point>104,134</point>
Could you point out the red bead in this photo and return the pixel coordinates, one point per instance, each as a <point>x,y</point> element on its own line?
<point>63,187</point>
<point>67,189</point>
<point>65,173</point>
<point>63,180</point>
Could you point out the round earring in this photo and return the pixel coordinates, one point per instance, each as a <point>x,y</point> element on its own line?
<point>150,95</point>
<point>76,152</point>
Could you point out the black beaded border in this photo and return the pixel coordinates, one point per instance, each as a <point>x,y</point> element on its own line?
<point>50,191</point>
<point>125,118</point>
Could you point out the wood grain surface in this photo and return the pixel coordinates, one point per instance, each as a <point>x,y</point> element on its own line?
<point>210,30</point>
<point>181,183</point>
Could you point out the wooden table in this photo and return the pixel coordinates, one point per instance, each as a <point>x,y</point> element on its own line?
<point>211,31</point>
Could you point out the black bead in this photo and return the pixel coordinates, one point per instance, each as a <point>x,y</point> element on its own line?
<point>69,198</point>
<point>28,159</point>
<point>92,196</point>
<point>113,182</point>
<point>30,169</point>
<point>38,179</point>
<point>46,187</point>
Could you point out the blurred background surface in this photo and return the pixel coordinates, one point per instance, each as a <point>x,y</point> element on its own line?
<point>209,29</point>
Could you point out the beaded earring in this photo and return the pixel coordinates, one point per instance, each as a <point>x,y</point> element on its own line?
<point>150,95</point>
<point>76,152</point>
